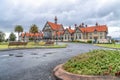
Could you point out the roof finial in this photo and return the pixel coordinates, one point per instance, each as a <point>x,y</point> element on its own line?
<point>56,19</point>
<point>75,25</point>
<point>96,24</point>
<point>82,24</point>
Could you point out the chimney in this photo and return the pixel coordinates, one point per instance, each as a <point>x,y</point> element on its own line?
<point>75,25</point>
<point>55,19</point>
<point>82,24</point>
<point>69,27</point>
<point>96,24</point>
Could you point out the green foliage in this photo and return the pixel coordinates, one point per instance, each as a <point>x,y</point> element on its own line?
<point>31,39</point>
<point>77,41</point>
<point>97,62</point>
<point>2,36</point>
<point>109,45</point>
<point>89,41</point>
<point>3,43</point>
<point>12,37</point>
<point>33,29</point>
<point>18,29</point>
<point>113,41</point>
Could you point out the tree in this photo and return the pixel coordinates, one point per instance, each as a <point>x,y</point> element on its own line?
<point>18,29</point>
<point>12,36</point>
<point>2,36</point>
<point>34,29</point>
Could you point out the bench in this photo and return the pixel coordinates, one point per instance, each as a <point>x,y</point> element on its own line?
<point>17,44</point>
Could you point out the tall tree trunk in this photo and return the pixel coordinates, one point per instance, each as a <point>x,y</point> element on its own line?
<point>34,38</point>
<point>18,36</point>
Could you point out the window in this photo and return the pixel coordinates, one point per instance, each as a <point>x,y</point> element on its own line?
<point>90,33</point>
<point>95,32</point>
<point>65,36</point>
<point>100,37</point>
<point>101,33</point>
<point>79,36</point>
<point>90,37</point>
<point>76,36</point>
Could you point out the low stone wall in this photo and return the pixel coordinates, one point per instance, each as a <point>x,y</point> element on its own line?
<point>61,74</point>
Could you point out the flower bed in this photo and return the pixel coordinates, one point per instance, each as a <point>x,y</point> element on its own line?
<point>97,62</point>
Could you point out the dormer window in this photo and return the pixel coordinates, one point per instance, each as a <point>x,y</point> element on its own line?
<point>95,32</point>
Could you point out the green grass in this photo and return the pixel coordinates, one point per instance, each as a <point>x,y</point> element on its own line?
<point>109,45</point>
<point>3,46</point>
<point>31,45</point>
<point>97,62</point>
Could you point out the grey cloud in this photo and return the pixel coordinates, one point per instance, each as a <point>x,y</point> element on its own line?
<point>68,13</point>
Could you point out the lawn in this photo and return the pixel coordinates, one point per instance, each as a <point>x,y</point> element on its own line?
<point>97,62</point>
<point>32,45</point>
<point>109,45</point>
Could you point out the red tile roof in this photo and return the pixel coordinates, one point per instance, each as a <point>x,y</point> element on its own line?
<point>71,31</point>
<point>99,28</point>
<point>31,34</point>
<point>59,33</point>
<point>55,26</point>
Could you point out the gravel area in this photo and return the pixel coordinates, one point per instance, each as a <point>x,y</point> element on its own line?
<point>37,64</point>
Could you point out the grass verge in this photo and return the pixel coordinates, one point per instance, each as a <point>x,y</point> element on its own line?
<point>31,45</point>
<point>109,45</point>
<point>97,62</point>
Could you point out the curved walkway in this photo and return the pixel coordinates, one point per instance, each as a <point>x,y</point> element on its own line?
<point>37,64</point>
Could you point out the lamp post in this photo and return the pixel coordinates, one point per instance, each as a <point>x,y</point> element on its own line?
<point>56,35</point>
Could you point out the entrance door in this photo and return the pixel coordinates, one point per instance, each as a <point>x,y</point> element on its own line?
<point>95,39</point>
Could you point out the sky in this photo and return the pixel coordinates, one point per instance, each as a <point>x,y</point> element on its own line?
<point>68,12</point>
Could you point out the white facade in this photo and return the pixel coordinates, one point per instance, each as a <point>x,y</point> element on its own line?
<point>78,35</point>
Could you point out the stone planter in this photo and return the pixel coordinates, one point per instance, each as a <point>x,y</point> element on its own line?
<point>61,74</point>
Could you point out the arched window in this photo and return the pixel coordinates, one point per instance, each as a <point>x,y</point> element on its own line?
<point>79,36</point>
<point>65,36</point>
<point>76,36</point>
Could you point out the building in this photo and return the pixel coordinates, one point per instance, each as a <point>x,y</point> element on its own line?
<point>53,30</point>
<point>26,36</point>
<point>97,33</point>
<point>68,34</point>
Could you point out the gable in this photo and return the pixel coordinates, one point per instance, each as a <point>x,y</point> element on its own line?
<point>78,30</point>
<point>55,26</point>
<point>46,27</point>
<point>66,32</point>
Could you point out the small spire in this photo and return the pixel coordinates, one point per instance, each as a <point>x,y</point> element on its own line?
<point>56,19</point>
<point>69,27</point>
<point>96,24</point>
<point>82,24</point>
<point>75,25</point>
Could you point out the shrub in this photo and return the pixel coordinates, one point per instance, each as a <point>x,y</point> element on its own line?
<point>97,62</point>
<point>41,43</point>
<point>31,43</point>
<point>89,41</point>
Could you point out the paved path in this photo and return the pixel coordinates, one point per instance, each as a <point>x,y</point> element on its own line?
<point>37,64</point>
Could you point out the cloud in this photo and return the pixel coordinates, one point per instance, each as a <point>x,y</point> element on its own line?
<point>69,12</point>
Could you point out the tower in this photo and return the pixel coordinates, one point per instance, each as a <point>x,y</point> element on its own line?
<point>55,19</point>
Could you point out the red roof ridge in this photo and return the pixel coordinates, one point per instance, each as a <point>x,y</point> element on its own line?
<point>70,30</point>
<point>93,28</point>
<point>54,26</point>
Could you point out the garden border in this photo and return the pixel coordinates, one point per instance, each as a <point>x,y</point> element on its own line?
<point>61,74</point>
